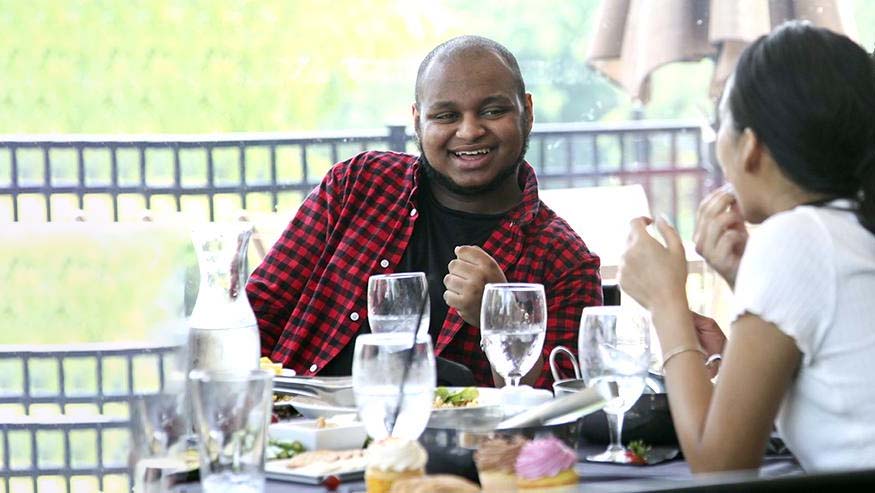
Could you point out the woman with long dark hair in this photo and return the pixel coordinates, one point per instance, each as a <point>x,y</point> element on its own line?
<point>797,144</point>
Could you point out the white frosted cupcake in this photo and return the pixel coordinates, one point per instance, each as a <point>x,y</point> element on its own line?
<point>390,460</point>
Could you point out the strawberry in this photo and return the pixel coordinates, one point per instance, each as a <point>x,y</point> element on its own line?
<point>637,452</point>
<point>635,459</point>
<point>331,483</point>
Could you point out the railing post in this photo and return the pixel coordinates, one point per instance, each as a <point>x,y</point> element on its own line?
<point>397,138</point>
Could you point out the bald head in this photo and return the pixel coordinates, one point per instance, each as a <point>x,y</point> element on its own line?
<point>468,47</point>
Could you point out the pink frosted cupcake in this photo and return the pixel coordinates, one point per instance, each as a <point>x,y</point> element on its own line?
<point>546,465</point>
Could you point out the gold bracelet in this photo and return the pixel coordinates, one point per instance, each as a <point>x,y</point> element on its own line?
<point>678,350</point>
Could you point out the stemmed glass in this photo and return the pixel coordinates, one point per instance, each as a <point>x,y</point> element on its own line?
<point>513,323</point>
<point>392,401</point>
<point>614,349</point>
<point>394,302</point>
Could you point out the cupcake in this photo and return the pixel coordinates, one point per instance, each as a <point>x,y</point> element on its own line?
<point>438,483</point>
<point>495,459</point>
<point>390,460</point>
<point>546,465</point>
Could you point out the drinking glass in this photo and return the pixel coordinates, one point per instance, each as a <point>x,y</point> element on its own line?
<point>614,350</point>
<point>231,413</point>
<point>513,323</point>
<point>395,302</point>
<point>159,432</point>
<point>386,407</point>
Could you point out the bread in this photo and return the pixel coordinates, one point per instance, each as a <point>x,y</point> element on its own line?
<point>438,483</point>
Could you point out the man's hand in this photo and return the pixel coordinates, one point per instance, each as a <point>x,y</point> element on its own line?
<point>468,274</point>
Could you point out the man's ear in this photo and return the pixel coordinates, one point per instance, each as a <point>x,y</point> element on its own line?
<point>529,109</point>
<point>752,151</point>
<point>414,110</point>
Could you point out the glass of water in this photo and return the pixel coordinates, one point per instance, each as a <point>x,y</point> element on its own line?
<point>513,322</point>
<point>386,407</point>
<point>159,432</point>
<point>614,350</point>
<point>231,413</point>
<point>395,300</point>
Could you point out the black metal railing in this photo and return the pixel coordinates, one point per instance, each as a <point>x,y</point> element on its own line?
<point>48,442</point>
<point>119,177</point>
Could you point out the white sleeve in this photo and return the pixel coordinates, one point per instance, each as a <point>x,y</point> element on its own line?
<point>787,276</point>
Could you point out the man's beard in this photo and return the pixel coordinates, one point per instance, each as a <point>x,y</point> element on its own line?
<point>444,181</point>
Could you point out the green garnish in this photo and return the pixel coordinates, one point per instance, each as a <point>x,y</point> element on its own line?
<point>287,449</point>
<point>639,448</point>
<point>458,398</point>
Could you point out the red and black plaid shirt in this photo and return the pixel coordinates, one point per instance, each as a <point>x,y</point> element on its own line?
<point>310,292</point>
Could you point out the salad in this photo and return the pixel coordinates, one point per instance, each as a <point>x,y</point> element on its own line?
<point>445,398</point>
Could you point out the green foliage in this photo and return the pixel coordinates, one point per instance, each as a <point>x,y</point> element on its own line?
<point>200,66</point>
<point>84,283</point>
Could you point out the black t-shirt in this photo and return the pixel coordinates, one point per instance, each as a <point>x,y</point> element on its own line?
<point>436,234</point>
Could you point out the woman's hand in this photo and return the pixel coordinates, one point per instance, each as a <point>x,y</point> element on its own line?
<point>712,339</point>
<point>720,234</point>
<point>649,272</point>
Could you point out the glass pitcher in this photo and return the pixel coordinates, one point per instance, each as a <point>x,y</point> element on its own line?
<point>223,333</point>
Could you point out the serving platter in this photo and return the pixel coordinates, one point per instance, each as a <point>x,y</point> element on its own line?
<point>351,470</point>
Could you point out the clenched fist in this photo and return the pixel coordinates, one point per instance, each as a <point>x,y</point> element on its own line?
<point>468,274</point>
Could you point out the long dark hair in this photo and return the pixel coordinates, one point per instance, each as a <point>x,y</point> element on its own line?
<point>809,95</point>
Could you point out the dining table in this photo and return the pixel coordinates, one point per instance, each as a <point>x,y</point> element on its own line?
<point>596,477</point>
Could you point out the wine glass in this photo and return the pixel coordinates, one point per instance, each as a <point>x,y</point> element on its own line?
<point>614,349</point>
<point>380,364</point>
<point>395,302</point>
<point>513,323</point>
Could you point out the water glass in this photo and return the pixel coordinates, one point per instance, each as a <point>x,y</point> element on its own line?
<point>395,302</point>
<point>159,432</point>
<point>386,407</point>
<point>231,413</point>
<point>513,323</point>
<point>614,350</point>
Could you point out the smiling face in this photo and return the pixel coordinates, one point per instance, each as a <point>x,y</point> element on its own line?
<point>472,125</point>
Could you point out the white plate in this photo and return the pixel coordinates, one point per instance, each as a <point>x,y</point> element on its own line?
<point>488,397</point>
<point>485,415</point>
<point>315,408</point>
<point>276,469</point>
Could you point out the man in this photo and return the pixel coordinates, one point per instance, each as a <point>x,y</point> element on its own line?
<point>466,212</point>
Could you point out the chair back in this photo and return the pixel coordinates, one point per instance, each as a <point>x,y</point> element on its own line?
<point>601,216</point>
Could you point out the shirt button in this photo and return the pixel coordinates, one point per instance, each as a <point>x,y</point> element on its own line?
<point>313,368</point>
<point>384,263</point>
<point>413,212</point>
<point>354,316</point>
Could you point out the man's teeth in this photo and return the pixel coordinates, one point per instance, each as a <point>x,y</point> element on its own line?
<point>472,153</point>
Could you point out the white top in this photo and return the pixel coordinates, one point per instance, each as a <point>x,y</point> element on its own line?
<point>811,272</point>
